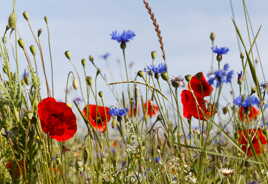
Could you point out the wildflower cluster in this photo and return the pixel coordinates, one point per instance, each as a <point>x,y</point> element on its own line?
<point>221,76</point>
<point>156,69</point>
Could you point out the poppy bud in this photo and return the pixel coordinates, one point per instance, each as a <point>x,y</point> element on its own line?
<point>68,54</point>
<point>123,45</point>
<point>164,76</point>
<point>89,80</point>
<point>212,36</point>
<point>153,55</point>
<point>91,59</point>
<point>12,20</point>
<point>45,19</point>
<point>25,15</point>
<point>188,77</point>
<point>39,32</point>
<point>140,74</point>
<point>83,62</point>
<point>32,49</point>
<point>100,94</point>
<point>75,84</point>
<point>21,43</point>
<point>219,57</point>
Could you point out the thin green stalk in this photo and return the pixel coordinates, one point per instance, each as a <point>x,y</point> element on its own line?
<point>50,57</point>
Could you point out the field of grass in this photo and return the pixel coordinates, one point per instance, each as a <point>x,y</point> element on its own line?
<point>203,128</point>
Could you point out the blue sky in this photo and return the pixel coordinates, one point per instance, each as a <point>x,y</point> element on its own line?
<point>84,29</point>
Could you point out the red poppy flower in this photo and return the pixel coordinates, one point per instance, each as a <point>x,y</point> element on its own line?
<point>200,85</point>
<point>248,114</point>
<point>98,116</point>
<point>57,119</point>
<point>150,109</point>
<point>15,168</point>
<point>195,106</point>
<point>257,138</point>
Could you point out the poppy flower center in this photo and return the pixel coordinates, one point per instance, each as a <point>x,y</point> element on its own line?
<point>98,119</point>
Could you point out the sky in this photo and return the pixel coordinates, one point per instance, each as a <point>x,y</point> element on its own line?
<point>84,28</point>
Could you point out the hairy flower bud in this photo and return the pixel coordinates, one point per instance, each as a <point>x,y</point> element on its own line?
<point>25,15</point>
<point>33,50</point>
<point>165,76</point>
<point>12,20</point>
<point>140,74</point>
<point>75,84</point>
<point>89,80</point>
<point>188,77</point>
<point>212,36</point>
<point>45,19</point>
<point>83,62</point>
<point>91,59</point>
<point>100,94</point>
<point>21,43</point>
<point>153,55</point>
<point>39,32</point>
<point>68,54</point>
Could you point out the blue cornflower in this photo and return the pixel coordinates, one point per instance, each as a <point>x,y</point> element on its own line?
<point>246,102</point>
<point>157,159</point>
<point>105,56</point>
<point>125,36</point>
<point>220,50</point>
<point>157,69</point>
<point>221,76</point>
<point>118,112</point>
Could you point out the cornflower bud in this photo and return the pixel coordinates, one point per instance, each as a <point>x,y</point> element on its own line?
<point>123,45</point>
<point>219,57</point>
